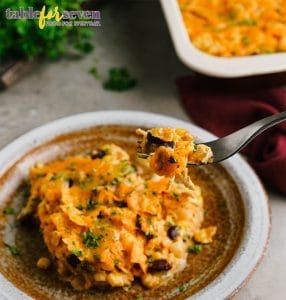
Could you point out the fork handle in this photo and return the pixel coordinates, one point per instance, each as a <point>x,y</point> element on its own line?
<point>236,141</point>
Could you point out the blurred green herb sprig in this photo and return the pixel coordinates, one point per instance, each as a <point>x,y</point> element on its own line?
<point>22,38</point>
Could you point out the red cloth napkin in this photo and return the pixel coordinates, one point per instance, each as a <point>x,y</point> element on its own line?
<point>222,108</point>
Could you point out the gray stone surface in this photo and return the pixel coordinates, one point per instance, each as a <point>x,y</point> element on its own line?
<point>133,35</point>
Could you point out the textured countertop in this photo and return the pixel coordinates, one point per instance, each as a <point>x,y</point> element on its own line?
<point>133,34</point>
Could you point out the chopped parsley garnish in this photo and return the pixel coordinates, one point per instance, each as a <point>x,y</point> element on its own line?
<point>247,23</point>
<point>80,207</point>
<point>183,288</point>
<point>176,195</point>
<point>149,235</point>
<point>245,40</point>
<point>41,175</point>
<point>13,249</point>
<point>195,149</point>
<point>94,72</point>
<point>119,80</point>
<point>231,16</point>
<point>149,220</point>
<point>115,181</point>
<point>59,176</point>
<point>72,166</point>
<point>126,168</point>
<point>76,252</point>
<point>90,205</point>
<point>169,223</point>
<point>97,256</point>
<point>9,211</point>
<point>195,249</point>
<point>90,239</point>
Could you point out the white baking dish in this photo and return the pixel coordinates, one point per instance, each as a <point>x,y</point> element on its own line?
<point>211,65</point>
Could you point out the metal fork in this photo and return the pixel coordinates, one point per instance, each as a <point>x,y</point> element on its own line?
<point>229,145</point>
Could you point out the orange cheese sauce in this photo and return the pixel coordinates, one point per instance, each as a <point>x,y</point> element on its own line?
<point>236,28</point>
<point>105,222</point>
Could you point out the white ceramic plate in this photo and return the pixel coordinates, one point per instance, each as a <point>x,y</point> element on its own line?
<point>211,65</point>
<point>257,219</point>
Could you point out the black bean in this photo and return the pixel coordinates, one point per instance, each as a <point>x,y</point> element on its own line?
<point>120,204</point>
<point>172,160</point>
<point>159,265</point>
<point>70,183</point>
<point>136,266</point>
<point>138,221</point>
<point>73,260</point>
<point>101,215</point>
<point>159,142</point>
<point>94,192</point>
<point>173,232</point>
<point>98,154</point>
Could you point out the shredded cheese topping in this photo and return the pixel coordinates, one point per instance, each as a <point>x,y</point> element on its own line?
<point>236,27</point>
<point>105,222</point>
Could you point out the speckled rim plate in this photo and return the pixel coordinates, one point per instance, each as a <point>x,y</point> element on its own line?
<point>257,216</point>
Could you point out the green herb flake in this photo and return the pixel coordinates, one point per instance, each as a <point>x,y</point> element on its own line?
<point>126,168</point>
<point>195,148</point>
<point>90,239</point>
<point>115,181</point>
<point>72,166</point>
<point>97,256</point>
<point>113,212</point>
<point>90,205</point>
<point>82,184</point>
<point>41,175</point>
<point>9,211</point>
<point>119,80</point>
<point>176,196</point>
<point>94,72</point>
<point>231,16</point>
<point>247,23</point>
<point>116,262</point>
<point>13,250</point>
<point>149,259</point>
<point>57,176</point>
<point>183,288</point>
<point>245,40</point>
<point>80,207</point>
<point>195,249</point>
<point>150,235</point>
<point>76,252</point>
<point>169,224</point>
<point>149,220</point>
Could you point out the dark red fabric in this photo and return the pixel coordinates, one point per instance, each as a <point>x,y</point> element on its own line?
<point>222,109</point>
